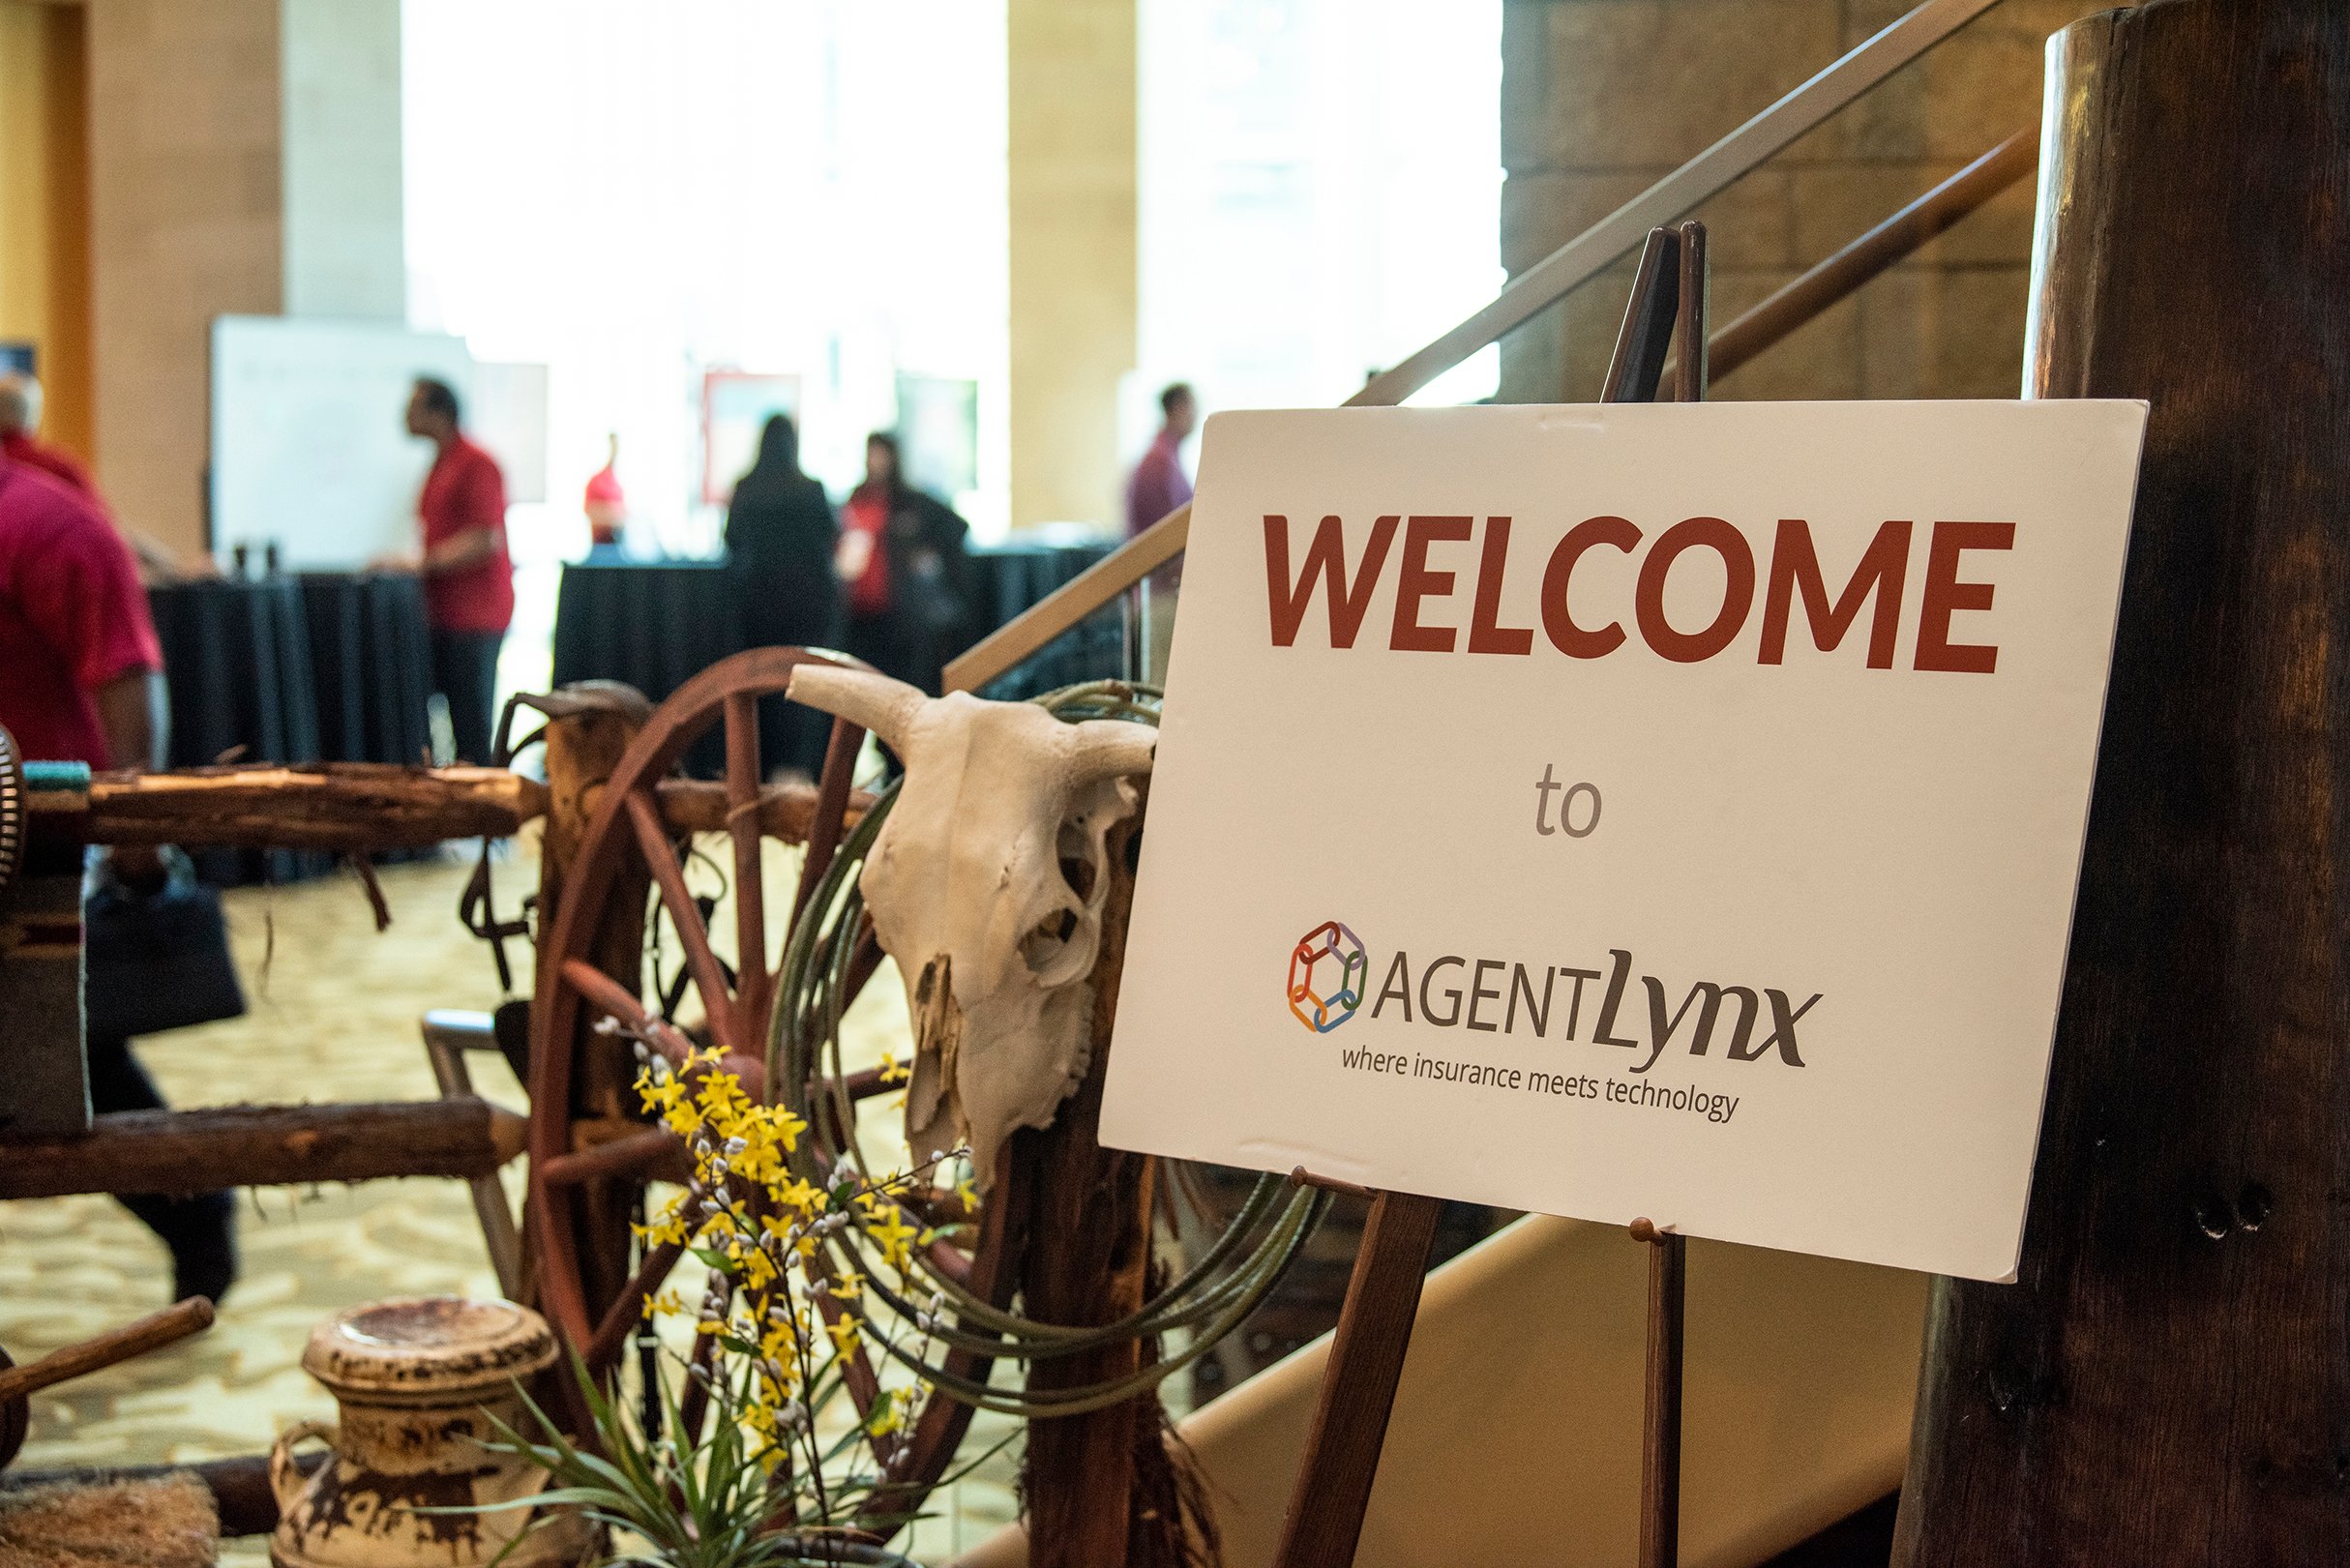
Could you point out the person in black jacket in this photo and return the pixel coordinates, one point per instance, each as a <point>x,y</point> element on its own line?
<point>911,594</point>
<point>781,539</point>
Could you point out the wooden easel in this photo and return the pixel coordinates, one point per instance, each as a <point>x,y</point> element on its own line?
<point>1326,1512</point>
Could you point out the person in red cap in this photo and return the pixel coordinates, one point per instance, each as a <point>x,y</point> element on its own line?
<point>605,506</point>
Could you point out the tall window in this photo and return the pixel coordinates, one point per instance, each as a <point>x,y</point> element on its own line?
<point>635,194</point>
<point>1320,189</point>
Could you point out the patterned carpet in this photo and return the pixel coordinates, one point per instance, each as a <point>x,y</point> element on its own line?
<point>334,1016</point>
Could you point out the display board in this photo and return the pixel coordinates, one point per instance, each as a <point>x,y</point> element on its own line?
<point>1667,810</point>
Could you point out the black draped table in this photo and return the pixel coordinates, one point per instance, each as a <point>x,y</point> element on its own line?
<point>656,625</point>
<point>324,667</point>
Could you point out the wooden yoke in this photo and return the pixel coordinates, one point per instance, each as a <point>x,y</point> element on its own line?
<point>1100,1488</point>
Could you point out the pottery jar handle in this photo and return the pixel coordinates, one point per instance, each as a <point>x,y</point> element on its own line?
<point>286,1478</point>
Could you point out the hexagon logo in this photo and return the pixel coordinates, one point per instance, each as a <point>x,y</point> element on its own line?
<point>1328,968</point>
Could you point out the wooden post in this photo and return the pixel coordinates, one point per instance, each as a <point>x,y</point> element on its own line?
<point>1100,1487</point>
<point>2169,1379</point>
<point>585,743</point>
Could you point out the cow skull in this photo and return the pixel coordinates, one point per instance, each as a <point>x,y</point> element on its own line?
<point>965,884</point>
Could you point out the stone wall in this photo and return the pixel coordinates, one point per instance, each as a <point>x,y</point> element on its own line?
<point>1601,97</point>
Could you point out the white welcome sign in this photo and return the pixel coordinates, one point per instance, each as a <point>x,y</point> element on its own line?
<point>1648,809</point>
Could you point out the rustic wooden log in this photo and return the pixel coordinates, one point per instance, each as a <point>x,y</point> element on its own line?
<point>1100,1488</point>
<point>359,807</point>
<point>2169,1379</point>
<point>784,810</point>
<point>330,806</point>
<point>188,1151</point>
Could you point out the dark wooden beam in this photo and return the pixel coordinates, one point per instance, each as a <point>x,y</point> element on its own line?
<point>2168,1380</point>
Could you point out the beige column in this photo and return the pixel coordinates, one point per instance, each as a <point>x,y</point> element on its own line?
<point>1072,197</point>
<point>45,208</point>
<point>186,223</point>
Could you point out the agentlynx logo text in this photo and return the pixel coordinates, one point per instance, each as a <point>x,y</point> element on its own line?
<point>1329,975</point>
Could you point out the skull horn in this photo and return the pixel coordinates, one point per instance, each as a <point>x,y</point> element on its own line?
<point>1110,749</point>
<point>883,706</point>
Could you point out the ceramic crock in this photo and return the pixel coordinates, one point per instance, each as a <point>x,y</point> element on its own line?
<point>412,1380</point>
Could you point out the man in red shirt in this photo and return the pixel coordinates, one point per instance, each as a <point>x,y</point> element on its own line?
<point>82,681</point>
<point>20,442</point>
<point>1159,485</point>
<point>82,665</point>
<point>469,575</point>
<point>20,419</point>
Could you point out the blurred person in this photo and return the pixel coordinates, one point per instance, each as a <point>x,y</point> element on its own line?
<point>19,435</point>
<point>20,441</point>
<point>606,505</point>
<point>468,574</point>
<point>85,684</point>
<point>781,537</point>
<point>903,557</point>
<point>1158,484</point>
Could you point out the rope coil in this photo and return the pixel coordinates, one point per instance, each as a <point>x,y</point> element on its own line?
<point>1212,1295</point>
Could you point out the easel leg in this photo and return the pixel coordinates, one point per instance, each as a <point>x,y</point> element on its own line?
<point>1660,1448</point>
<point>1358,1386</point>
<point>1669,1253</point>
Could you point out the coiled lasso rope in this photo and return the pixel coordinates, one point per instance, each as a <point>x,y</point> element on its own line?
<point>1211,1298</point>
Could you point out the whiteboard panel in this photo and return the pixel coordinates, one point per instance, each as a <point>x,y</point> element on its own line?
<point>308,446</point>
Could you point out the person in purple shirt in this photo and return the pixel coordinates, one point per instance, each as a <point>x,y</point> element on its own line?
<point>1158,485</point>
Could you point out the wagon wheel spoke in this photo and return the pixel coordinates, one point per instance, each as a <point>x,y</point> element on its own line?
<point>626,1311</point>
<point>639,1154</point>
<point>757,982</point>
<point>831,805</point>
<point>613,999</point>
<point>701,961</point>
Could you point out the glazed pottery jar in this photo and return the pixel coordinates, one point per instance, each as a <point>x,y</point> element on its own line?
<point>413,1379</point>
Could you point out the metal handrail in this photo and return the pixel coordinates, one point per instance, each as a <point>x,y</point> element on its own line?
<point>1894,238</point>
<point>1541,285</point>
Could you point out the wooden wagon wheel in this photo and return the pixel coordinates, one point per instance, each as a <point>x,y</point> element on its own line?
<point>571,990</point>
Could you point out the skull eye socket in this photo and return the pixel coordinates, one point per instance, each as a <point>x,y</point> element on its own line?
<point>1046,947</point>
<point>1048,940</point>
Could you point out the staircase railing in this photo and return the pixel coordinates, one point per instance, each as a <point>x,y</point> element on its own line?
<point>1581,259</point>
